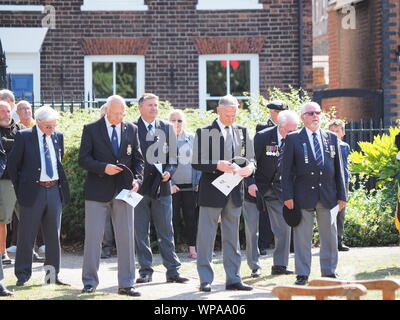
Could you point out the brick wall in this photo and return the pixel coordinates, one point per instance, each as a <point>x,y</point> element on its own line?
<point>355,58</point>
<point>171,27</point>
<point>394,37</point>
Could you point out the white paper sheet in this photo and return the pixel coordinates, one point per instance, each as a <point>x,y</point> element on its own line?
<point>159,167</point>
<point>132,198</point>
<point>334,213</point>
<point>226,182</point>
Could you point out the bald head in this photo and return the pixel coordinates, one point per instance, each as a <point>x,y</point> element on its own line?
<point>115,109</point>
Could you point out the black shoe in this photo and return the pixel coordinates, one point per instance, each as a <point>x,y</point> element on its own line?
<point>263,252</point>
<point>5,259</point>
<point>301,280</point>
<point>256,273</point>
<point>129,292</point>
<point>333,275</point>
<point>278,270</point>
<point>60,283</point>
<point>20,283</point>
<point>238,286</point>
<point>4,292</point>
<point>177,279</point>
<point>205,286</point>
<point>88,289</point>
<point>144,278</point>
<point>37,258</point>
<point>342,247</point>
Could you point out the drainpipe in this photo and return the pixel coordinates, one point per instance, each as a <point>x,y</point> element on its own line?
<point>301,43</point>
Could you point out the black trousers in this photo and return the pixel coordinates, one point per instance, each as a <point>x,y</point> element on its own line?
<point>185,215</point>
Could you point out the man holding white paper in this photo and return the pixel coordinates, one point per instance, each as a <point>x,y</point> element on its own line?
<point>313,180</point>
<point>222,147</point>
<point>110,152</point>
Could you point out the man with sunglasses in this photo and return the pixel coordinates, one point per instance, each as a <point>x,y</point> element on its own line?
<point>41,187</point>
<point>313,180</point>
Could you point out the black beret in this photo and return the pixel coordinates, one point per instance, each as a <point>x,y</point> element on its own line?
<point>278,105</point>
<point>292,216</point>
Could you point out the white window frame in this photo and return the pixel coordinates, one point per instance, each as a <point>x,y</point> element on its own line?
<point>11,7</point>
<point>114,5</point>
<point>140,66</point>
<point>254,74</point>
<point>229,5</point>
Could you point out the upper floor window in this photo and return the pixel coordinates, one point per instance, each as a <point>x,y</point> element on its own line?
<point>114,5</point>
<point>228,5</point>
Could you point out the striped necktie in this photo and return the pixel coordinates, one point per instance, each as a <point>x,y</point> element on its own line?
<point>317,149</point>
<point>47,158</point>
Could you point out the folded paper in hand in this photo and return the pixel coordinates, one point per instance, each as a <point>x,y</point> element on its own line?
<point>226,182</point>
<point>132,198</point>
<point>334,213</point>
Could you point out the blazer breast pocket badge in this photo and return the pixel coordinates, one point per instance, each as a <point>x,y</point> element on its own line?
<point>129,150</point>
<point>165,147</point>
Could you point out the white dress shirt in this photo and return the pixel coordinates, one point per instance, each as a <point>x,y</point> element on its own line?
<point>311,139</point>
<point>43,173</point>
<point>153,129</point>
<point>223,131</point>
<point>110,130</point>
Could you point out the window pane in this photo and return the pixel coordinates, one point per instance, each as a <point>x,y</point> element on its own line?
<point>126,80</point>
<point>216,78</point>
<point>212,104</point>
<point>240,77</point>
<point>102,79</point>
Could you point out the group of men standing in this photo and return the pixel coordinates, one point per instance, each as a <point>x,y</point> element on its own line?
<point>299,169</point>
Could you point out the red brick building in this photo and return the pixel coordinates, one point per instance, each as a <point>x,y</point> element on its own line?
<point>189,52</point>
<point>365,55</point>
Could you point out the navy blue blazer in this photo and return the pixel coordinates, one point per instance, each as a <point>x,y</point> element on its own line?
<point>24,166</point>
<point>266,140</point>
<point>303,180</point>
<point>206,154</point>
<point>152,183</point>
<point>96,152</point>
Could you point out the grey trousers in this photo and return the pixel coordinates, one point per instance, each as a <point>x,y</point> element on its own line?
<point>206,232</point>
<point>1,271</point>
<point>303,235</point>
<point>108,239</point>
<point>281,232</point>
<point>160,211</point>
<point>251,217</point>
<point>122,217</point>
<point>45,212</point>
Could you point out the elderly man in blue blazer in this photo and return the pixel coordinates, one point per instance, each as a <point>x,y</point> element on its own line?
<point>313,180</point>
<point>41,187</point>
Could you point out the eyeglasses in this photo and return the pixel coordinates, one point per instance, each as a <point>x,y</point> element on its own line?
<point>311,113</point>
<point>180,121</point>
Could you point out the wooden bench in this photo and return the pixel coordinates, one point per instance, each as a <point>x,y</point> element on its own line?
<point>387,286</point>
<point>350,291</point>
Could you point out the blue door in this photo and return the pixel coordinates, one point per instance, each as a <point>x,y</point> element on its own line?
<point>22,86</point>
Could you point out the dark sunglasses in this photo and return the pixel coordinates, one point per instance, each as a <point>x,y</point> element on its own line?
<point>180,121</point>
<point>311,113</point>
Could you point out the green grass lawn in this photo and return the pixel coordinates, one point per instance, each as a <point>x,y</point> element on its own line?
<point>357,264</point>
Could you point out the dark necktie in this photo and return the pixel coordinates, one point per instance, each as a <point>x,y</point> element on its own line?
<point>228,146</point>
<point>317,149</point>
<point>281,149</point>
<point>114,140</point>
<point>47,158</point>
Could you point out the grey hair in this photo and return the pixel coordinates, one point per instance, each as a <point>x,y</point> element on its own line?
<point>177,111</point>
<point>312,103</point>
<point>228,101</point>
<point>7,94</point>
<point>46,113</point>
<point>145,96</point>
<point>103,110</point>
<point>287,116</point>
<point>24,102</point>
<point>114,98</point>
